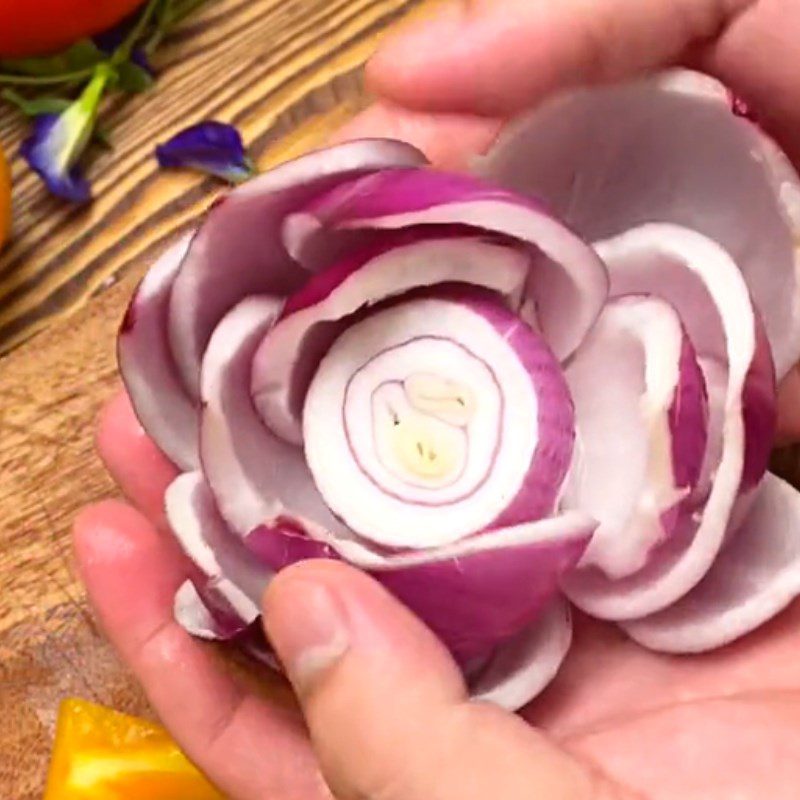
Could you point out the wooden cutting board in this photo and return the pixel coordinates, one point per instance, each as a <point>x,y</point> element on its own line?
<point>287,73</point>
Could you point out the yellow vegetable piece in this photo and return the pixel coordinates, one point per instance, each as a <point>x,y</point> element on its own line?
<point>5,199</point>
<point>100,754</point>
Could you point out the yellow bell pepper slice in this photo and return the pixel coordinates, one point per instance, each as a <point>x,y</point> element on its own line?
<point>101,754</point>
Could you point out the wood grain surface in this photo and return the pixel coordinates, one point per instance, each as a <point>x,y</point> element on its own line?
<point>287,73</point>
<point>268,66</point>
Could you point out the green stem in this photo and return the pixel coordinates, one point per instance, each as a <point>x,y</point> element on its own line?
<point>46,80</point>
<point>123,52</point>
<point>77,123</point>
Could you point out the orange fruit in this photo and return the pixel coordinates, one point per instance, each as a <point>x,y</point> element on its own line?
<point>100,754</point>
<point>5,198</point>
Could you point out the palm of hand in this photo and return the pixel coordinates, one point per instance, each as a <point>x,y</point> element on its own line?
<point>721,725</point>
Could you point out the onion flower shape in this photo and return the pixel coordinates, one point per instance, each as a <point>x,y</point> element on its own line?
<point>547,383</point>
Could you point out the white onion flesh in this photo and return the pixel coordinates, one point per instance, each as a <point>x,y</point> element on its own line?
<point>255,476</point>
<point>523,667</point>
<point>613,158</point>
<point>229,570</point>
<point>148,368</point>
<point>754,578</point>
<point>243,235</point>
<point>638,391</point>
<point>493,453</point>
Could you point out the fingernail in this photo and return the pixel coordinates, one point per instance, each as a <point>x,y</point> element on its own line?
<point>310,630</point>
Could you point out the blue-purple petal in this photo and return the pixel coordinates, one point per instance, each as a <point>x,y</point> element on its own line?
<point>41,155</point>
<point>212,147</point>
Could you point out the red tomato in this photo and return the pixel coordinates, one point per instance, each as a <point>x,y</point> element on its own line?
<point>39,27</point>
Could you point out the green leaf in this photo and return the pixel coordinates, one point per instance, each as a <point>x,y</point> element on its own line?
<point>102,137</point>
<point>133,78</point>
<point>34,106</point>
<point>80,56</point>
<point>84,54</point>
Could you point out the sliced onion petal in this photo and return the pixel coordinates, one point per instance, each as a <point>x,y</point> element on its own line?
<point>254,475</point>
<point>641,415</point>
<point>148,370</point>
<point>473,594</point>
<point>568,283</point>
<point>237,251</point>
<point>608,159</point>
<point>205,618</point>
<point>753,579</point>
<point>521,668</point>
<point>702,282</point>
<point>287,359</point>
<point>230,571</point>
<point>785,183</point>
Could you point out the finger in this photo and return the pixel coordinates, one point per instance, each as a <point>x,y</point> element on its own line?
<point>493,57</point>
<point>758,55</point>
<point>139,468</point>
<point>247,747</point>
<point>387,707</point>
<point>448,140</point>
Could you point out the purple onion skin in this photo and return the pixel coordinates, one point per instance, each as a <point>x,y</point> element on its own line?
<point>759,410</point>
<point>473,603</point>
<point>229,625</point>
<point>688,416</point>
<point>393,192</point>
<point>322,284</point>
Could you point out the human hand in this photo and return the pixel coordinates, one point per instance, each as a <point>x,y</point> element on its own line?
<point>387,712</point>
<point>711,726</point>
<point>386,709</point>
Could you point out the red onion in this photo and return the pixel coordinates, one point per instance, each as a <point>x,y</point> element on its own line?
<point>436,379</point>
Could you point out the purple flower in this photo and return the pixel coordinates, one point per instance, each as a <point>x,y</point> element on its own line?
<point>211,147</point>
<point>42,150</point>
<point>58,141</point>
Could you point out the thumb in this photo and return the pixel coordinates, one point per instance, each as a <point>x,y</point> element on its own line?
<point>498,56</point>
<point>387,708</point>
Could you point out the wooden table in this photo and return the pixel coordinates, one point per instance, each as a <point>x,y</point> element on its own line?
<point>287,73</point>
